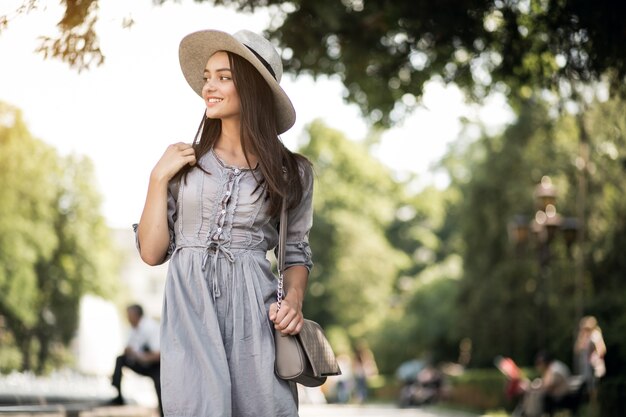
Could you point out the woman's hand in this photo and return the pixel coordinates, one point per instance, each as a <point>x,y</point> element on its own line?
<point>153,233</point>
<point>289,319</point>
<point>175,157</point>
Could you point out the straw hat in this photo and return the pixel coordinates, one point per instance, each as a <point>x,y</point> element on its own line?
<point>196,49</point>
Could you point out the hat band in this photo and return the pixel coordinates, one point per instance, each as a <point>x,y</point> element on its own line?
<point>263,61</point>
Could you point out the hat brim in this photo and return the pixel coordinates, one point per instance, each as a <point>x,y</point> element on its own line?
<point>196,49</point>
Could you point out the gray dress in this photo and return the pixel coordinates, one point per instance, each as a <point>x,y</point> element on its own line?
<point>217,342</point>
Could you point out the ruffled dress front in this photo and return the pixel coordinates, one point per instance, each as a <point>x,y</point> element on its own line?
<point>217,347</point>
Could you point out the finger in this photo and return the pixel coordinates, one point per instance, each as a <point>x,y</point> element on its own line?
<point>291,327</point>
<point>175,147</point>
<point>284,315</point>
<point>286,321</point>
<point>188,151</point>
<point>191,160</point>
<point>283,328</point>
<point>273,309</point>
<point>182,145</point>
<point>294,327</point>
<point>299,327</point>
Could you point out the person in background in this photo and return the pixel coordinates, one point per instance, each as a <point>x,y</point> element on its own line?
<point>589,352</point>
<point>364,367</point>
<point>554,385</point>
<point>142,352</point>
<point>344,382</point>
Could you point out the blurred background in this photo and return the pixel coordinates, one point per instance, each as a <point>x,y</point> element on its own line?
<point>470,160</point>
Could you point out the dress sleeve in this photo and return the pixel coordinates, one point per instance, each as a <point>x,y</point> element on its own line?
<point>172,195</point>
<point>297,249</point>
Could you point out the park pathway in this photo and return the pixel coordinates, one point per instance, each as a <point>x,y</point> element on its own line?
<point>331,410</point>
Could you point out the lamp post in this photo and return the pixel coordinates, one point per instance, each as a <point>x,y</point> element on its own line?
<point>544,227</point>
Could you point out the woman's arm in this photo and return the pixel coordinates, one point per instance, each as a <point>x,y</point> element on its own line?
<point>289,319</point>
<point>598,342</point>
<point>152,231</point>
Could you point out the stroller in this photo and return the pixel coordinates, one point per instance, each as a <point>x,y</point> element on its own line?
<point>421,387</point>
<point>514,388</point>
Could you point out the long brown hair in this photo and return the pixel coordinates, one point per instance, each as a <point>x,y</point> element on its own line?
<point>259,135</point>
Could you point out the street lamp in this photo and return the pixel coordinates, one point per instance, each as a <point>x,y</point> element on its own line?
<point>544,227</point>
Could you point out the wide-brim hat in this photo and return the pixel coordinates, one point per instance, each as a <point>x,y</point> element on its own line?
<point>196,49</point>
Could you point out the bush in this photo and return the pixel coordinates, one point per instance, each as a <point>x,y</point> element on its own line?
<point>612,397</point>
<point>478,389</point>
<point>10,359</point>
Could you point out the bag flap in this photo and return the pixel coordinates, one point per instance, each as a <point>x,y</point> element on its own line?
<point>318,349</point>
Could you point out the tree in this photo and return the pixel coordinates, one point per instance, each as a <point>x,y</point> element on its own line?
<point>504,293</point>
<point>385,51</point>
<point>354,203</point>
<point>505,298</point>
<point>607,239</point>
<point>382,269</point>
<point>510,304</point>
<point>26,213</point>
<point>422,319</point>
<point>54,244</point>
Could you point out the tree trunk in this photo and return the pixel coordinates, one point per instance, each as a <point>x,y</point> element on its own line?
<point>44,351</point>
<point>25,344</point>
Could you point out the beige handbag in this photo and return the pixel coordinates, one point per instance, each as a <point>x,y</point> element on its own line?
<point>306,358</point>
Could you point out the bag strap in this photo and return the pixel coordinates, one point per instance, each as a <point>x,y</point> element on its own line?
<point>282,241</point>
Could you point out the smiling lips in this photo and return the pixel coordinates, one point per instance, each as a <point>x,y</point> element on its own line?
<point>214,100</point>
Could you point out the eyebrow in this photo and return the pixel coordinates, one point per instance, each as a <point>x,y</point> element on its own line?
<point>218,70</point>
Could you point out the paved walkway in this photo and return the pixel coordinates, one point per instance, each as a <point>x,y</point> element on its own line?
<point>305,411</point>
<point>16,389</point>
<point>375,411</point>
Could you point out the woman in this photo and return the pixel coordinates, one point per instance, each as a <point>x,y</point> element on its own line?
<point>589,350</point>
<point>212,209</point>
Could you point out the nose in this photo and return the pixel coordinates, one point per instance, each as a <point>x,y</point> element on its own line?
<point>209,85</point>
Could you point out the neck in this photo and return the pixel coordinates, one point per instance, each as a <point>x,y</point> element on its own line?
<point>229,146</point>
<point>231,131</point>
<point>229,141</point>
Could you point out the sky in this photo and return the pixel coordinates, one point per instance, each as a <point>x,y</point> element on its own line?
<point>123,114</point>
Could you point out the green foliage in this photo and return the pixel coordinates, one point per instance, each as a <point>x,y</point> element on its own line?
<point>10,357</point>
<point>386,265</point>
<point>26,211</point>
<point>607,227</point>
<point>508,304</point>
<point>502,295</point>
<point>54,244</point>
<point>479,389</point>
<point>422,320</point>
<point>421,228</point>
<point>384,51</point>
<point>423,323</point>
<point>611,396</point>
<point>354,203</point>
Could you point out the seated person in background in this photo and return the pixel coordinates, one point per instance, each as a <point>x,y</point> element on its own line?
<point>554,385</point>
<point>142,353</point>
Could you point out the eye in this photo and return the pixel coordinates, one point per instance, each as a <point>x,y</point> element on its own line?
<point>225,78</point>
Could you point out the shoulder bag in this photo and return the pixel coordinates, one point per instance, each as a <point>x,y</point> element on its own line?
<point>306,358</point>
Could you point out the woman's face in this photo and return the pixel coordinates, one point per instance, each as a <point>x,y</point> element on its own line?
<point>219,92</point>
